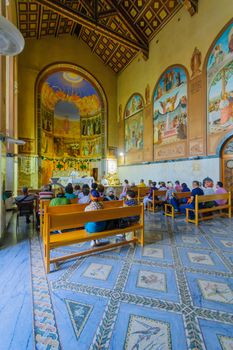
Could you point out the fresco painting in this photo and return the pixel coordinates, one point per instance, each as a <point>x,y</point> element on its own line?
<point>134,105</point>
<point>170,107</point>
<point>71,111</point>
<point>134,132</point>
<point>220,84</point>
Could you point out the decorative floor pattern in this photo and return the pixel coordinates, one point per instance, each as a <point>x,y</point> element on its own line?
<point>176,293</point>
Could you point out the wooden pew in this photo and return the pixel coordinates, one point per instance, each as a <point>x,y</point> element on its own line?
<point>142,192</point>
<point>155,200</point>
<point>71,208</point>
<point>169,209</point>
<point>72,220</point>
<point>217,209</point>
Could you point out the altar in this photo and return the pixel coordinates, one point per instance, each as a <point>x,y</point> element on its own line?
<point>61,178</point>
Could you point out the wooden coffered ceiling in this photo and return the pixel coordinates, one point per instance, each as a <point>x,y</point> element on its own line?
<point>115,30</point>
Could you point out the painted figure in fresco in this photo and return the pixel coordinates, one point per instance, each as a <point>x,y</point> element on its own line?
<point>88,128</point>
<point>218,54</point>
<point>66,125</point>
<point>230,41</point>
<point>224,107</point>
<point>178,79</point>
<point>84,127</point>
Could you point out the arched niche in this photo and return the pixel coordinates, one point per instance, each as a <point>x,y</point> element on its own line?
<point>71,119</point>
<point>134,128</point>
<point>219,76</point>
<point>170,113</point>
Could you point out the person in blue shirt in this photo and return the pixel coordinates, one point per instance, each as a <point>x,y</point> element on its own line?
<point>191,203</point>
<point>69,192</point>
<point>149,198</point>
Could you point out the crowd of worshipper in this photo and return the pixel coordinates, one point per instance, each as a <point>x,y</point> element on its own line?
<point>94,195</point>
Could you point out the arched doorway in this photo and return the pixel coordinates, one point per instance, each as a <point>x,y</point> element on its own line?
<point>227,165</point>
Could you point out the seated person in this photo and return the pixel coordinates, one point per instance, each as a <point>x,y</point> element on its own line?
<point>99,226</point>
<point>77,190</point>
<point>101,190</point>
<point>46,194</point>
<point>191,202</point>
<point>131,201</point>
<point>220,190</point>
<point>81,195</point>
<point>25,198</point>
<point>69,192</point>
<point>162,187</point>
<point>208,190</point>
<point>149,198</point>
<point>59,200</point>
<point>111,195</point>
<point>170,196</point>
<point>185,188</point>
<point>86,196</point>
<point>141,184</point>
<point>178,187</point>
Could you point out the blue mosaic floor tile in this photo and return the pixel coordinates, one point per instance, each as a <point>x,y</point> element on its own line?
<point>78,316</point>
<point>154,252</point>
<point>153,282</point>
<point>143,328</point>
<point>224,243</point>
<point>190,240</point>
<point>97,272</point>
<point>202,260</point>
<point>211,292</point>
<point>216,335</point>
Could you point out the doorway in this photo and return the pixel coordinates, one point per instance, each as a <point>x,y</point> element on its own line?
<point>227,165</point>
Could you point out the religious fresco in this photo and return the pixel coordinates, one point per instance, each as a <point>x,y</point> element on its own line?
<point>71,111</point>
<point>220,84</point>
<point>134,132</point>
<point>170,107</point>
<point>134,105</point>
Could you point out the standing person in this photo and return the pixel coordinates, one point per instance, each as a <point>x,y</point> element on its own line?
<point>126,187</point>
<point>220,190</point>
<point>99,226</point>
<point>149,198</point>
<point>26,197</point>
<point>191,202</point>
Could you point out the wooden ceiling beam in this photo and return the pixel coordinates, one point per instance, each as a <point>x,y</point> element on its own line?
<point>90,23</point>
<point>84,4</point>
<point>107,13</point>
<point>124,17</point>
<point>191,6</point>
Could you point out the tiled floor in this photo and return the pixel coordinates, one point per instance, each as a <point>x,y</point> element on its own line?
<point>175,293</point>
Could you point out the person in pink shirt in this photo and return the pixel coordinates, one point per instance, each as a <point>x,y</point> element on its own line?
<point>220,190</point>
<point>178,186</point>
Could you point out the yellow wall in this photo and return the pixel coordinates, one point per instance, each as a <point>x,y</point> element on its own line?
<point>40,53</point>
<point>176,42</point>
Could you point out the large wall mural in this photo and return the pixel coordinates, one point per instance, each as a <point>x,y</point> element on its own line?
<point>134,124</point>
<point>220,84</point>
<point>170,107</point>
<point>71,123</point>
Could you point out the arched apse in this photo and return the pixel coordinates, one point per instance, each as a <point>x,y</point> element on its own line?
<point>71,120</point>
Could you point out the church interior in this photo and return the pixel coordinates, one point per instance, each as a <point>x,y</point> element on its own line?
<point>104,103</point>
